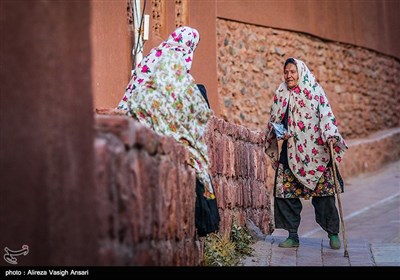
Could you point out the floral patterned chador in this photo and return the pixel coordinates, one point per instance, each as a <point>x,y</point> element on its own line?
<point>163,96</point>
<point>303,169</point>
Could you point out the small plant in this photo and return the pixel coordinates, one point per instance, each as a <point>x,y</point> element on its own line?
<point>219,251</point>
<point>242,239</point>
<point>225,251</point>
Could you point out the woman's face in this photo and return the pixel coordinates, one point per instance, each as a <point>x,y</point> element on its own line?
<point>291,75</point>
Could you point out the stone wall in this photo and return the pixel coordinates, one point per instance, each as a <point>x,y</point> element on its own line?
<point>362,85</point>
<point>371,153</point>
<point>145,192</point>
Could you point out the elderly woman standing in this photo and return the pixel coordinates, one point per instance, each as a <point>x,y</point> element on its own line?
<point>163,96</point>
<point>303,168</point>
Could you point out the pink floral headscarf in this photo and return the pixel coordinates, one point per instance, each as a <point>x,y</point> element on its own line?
<point>311,121</point>
<point>183,40</point>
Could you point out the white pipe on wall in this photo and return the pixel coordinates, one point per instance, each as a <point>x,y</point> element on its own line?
<point>138,39</point>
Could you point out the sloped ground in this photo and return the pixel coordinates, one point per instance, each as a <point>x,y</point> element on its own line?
<point>371,210</point>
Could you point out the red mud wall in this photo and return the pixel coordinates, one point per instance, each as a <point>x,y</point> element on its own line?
<point>145,191</point>
<point>46,137</point>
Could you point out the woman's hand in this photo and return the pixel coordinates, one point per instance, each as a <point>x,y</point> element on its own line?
<point>110,111</point>
<point>286,137</point>
<point>331,139</point>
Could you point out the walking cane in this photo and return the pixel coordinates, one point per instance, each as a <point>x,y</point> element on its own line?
<point>346,254</point>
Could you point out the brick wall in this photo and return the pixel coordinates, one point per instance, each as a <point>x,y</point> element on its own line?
<point>146,197</point>
<point>239,170</point>
<point>146,191</point>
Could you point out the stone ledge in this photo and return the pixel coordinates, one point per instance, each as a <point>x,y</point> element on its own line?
<point>374,137</point>
<point>132,133</point>
<point>371,153</point>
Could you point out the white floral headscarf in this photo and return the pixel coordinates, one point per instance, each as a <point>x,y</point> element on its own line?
<point>311,121</point>
<point>164,96</point>
<point>183,40</point>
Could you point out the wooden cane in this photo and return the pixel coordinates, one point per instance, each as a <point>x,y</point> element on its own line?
<point>346,254</point>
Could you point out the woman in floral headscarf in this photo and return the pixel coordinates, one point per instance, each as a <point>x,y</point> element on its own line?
<point>303,168</point>
<point>163,96</point>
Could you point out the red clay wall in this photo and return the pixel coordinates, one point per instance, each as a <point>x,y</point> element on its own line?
<point>372,24</point>
<point>46,137</point>
<point>50,198</point>
<point>145,197</point>
<point>145,192</point>
<point>239,170</point>
<point>110,38</point>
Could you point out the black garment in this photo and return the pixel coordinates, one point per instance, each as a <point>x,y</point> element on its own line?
<point>203,91</point>
<point>206,212</point>
<point>287,213</point>
<point>283,156</point>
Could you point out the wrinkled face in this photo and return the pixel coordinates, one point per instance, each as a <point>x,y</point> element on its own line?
<point>291,75</point>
